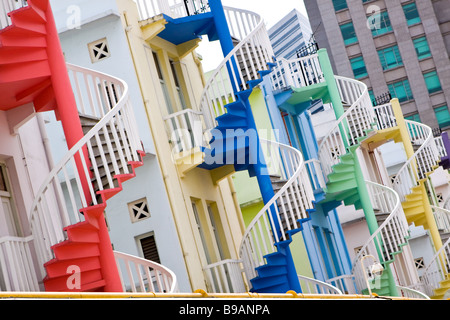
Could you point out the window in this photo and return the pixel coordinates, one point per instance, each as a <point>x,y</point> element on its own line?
<point>414,117</point>
<point>348,33</point>
<point>432,82</point>
<point>339,4</point>
<point>201,232</point>
<point>401,90</point>
<point>359,68</point>
<point>149,249</point>
<point>138,210</point>
<point>384,25</point>
<point>411,13</point>
<point>99,50</point>
<point>177,85</point>
<point>390,57</point>
<point>422,48</point>
<point>442,116</point>
<point>372,96</point>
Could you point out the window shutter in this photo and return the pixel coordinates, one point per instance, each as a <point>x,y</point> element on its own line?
<point>149,249</point>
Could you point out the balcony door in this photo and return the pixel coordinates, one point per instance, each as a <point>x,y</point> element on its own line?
<point>8,216</point>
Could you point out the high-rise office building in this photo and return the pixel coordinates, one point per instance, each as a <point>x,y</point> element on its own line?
<point>394,46</point>
<point>290,34</point>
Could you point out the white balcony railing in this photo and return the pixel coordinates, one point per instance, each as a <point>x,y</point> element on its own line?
<point>186,130</point>
<point>172,8</point>
<point>300,72</point>
<point>17,268</point>
<point>442,218</point>
<point>225,276</point>
<point>384,116</point>
<point>141,275</point>
<point>440,146</point>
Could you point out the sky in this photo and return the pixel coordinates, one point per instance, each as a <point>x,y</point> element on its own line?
<point>211,53</point>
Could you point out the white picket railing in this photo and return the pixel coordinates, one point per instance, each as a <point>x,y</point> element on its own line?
<point>141,275</point>
<point>442,218</point>
<point>186,130</point>
<point>7,6</point>
<point>290,204</point>
<point>440,146</point>
<point>384,116</point>
<point>387,240</point>
<point>299,72</point>
<point>412,293</point>
<point>17,268</point>
<point>352,125</point>
<point>314,286</point>
<point>437,270</point>
<point>225,276</point>
<point>72,187</point>
<point>172,8</point>
<point>421,163</point>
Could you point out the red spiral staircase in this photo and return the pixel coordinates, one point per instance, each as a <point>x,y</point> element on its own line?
<point>34,78</point>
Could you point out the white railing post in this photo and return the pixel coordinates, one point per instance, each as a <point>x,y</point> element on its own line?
<point>225,276</point>
<point>17,267</point>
